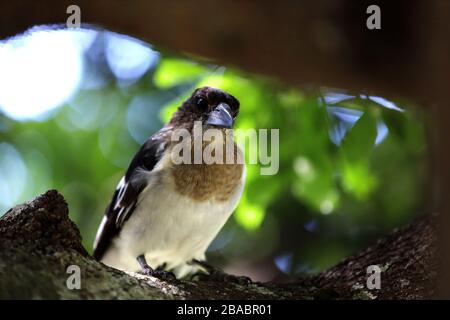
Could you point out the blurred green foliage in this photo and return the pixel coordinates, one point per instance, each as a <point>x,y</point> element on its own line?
<point>338,188</point>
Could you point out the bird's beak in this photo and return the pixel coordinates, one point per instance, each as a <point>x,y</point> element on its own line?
<point>221,116</point>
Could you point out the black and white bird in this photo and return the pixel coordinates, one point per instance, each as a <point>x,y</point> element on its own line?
<point>163,216</point>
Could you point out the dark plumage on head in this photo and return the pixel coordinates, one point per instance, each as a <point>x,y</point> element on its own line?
<point>210,105</point>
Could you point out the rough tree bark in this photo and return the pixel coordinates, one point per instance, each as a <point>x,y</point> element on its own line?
<point>38,242</point>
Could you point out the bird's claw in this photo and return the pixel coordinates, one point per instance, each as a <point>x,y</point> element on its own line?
<point>160,274</point>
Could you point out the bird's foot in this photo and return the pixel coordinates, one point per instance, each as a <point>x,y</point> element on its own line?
<point>217,275</point>
<point>157,273</point>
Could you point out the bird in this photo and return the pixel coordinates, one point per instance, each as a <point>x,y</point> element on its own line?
<point>163,214</point>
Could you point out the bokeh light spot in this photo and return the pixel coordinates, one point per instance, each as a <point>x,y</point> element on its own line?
<point>128,58</point>
<point>13,176</point>
<point>39,72</point>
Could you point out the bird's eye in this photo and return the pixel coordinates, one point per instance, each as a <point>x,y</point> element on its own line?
<point>202,104</point>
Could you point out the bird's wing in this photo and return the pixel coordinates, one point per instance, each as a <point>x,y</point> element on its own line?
<point>126,195</point>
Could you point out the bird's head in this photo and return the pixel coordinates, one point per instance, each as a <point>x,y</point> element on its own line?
<point>213,107</point>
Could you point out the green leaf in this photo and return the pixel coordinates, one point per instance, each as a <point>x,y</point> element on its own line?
<point>171,72</point>
<point>357,176</point>
<point>249,215</point>
<point>359,142</point>
<point>358,180</point>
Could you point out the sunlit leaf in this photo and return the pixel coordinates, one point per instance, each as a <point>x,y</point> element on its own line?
<point>249,215</point>
<point>171,72</point>
<point>358,180</point>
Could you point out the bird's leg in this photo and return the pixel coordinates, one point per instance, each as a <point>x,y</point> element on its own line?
<point>145,268</point>
<point>149,271</point>
<point>216,274</point>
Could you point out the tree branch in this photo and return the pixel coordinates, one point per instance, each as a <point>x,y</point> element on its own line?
<point>38,242</point>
